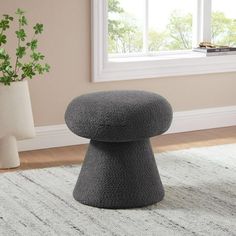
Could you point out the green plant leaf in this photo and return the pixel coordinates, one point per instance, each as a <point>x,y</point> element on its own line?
<point>19,12</point>
<point>23,21</point>
<point>33,44</point>
<point>38,28</point>
<point>19,64</point>
<point>4,64</point>
<point>6,80</point>
<point>3,39</point>
<point>39,68</point>
<point>20,52</point>
<point>4,24</point>
<point>7,17</point>
<point>36,56</point>
<point>21,34</point>
<point>9,69</point>
<point>47,67</point>
<point>2,53</point>
<point>7,57</point>
<point>28,70</point>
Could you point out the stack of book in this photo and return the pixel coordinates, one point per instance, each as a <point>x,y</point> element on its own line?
<point>218,51</point>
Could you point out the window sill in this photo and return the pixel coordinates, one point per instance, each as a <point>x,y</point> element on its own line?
<point>168,65</point>
<point>156,57</point>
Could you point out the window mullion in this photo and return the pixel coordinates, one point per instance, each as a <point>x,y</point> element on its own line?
<point>146,27</point>
<point>196,30</point>
<point>202,22</point>
<point>206,20</point>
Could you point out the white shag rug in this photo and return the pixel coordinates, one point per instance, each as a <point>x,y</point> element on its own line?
<point>200,199</point>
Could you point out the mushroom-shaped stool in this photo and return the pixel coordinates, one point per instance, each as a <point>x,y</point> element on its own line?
<point>119,170</point>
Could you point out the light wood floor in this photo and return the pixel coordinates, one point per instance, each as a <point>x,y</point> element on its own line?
<point>75,154</point>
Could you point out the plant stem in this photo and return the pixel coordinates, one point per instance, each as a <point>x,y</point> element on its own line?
<point>22,77</point>
<point>15,70</point>
<point>25,50</point>
<point>18,45</point>
<point>31,41</point>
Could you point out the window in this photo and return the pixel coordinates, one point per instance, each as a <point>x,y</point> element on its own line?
<point>147,26</point>
<point>223,28</point>
<point>169,25</point>
<point>134,39</point>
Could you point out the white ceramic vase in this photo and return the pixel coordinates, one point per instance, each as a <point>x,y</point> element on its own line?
<point>16,121</point>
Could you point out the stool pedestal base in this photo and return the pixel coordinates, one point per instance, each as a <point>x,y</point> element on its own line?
<point>119,176</point>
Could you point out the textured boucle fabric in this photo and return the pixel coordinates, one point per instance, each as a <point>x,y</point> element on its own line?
<point>119,170</point>
<point>119,116</point>
<point>119,175</point>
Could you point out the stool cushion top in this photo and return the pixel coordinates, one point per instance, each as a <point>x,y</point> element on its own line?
<point>119,116</point>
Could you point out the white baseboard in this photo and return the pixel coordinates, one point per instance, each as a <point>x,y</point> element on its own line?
<point>200,119</point>
<point>184,121</point>
<point>51,136</point>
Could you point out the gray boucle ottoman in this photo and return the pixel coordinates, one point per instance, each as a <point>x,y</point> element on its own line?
<point>119,170</point>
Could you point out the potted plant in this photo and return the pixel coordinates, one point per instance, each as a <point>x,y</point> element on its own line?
<point>16,120</point>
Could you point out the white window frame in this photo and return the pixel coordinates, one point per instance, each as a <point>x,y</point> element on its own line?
<point>152,66</point>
